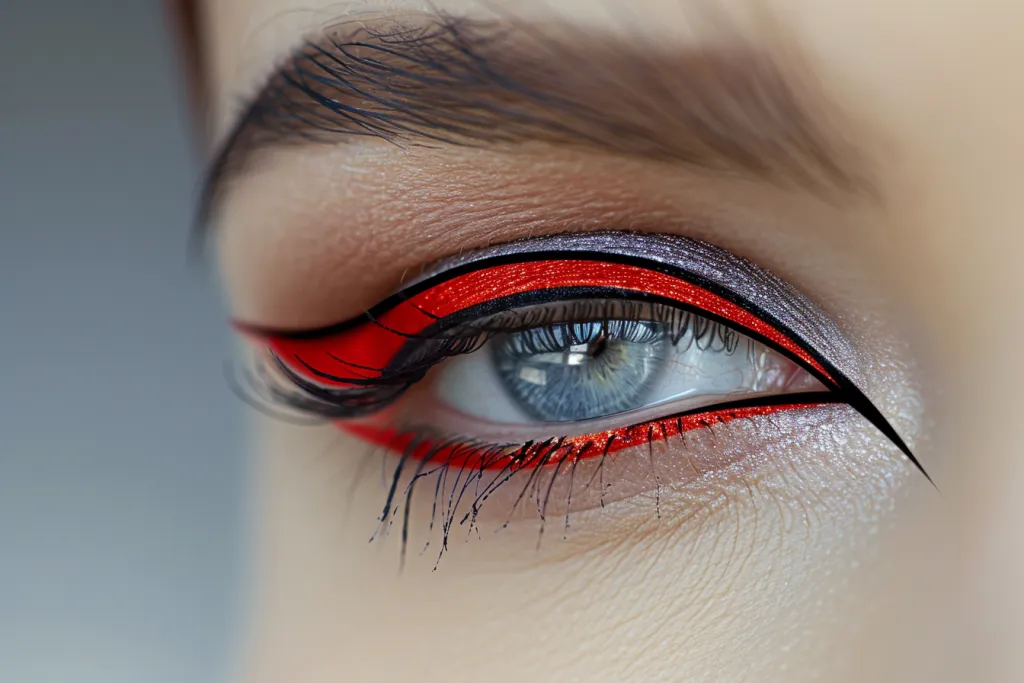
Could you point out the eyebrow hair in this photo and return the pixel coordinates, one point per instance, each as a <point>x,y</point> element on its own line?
<point>437,79</point>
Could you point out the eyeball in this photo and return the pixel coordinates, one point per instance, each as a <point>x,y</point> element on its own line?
<point>581,372</point>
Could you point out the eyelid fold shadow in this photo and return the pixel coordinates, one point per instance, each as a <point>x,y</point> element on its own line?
<point>368,361</point>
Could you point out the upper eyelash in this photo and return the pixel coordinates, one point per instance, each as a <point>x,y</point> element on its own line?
<point>316,399</point>
<point>442,344</point>
<point>628,313</point>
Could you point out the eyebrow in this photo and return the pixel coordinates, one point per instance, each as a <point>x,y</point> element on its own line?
<point>432,80</point>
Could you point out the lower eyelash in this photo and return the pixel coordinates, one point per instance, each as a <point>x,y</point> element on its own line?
<point>485,467</point>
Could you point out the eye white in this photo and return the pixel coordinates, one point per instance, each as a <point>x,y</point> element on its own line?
<point>692,377</point>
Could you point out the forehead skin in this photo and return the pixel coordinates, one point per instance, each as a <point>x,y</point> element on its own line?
<point>934,91</point>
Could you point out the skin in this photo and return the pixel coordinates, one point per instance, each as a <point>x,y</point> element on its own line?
<point>821,557</point>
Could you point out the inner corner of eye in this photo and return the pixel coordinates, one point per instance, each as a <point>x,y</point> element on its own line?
<point>572,376</point>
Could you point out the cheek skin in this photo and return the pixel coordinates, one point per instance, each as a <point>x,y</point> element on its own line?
<point>728,579</point>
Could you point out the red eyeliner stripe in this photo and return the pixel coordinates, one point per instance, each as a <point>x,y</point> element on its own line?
<point>461,455</point>
<point>362,351</point>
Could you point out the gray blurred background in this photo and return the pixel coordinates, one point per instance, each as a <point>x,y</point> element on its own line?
<point>122,479</point>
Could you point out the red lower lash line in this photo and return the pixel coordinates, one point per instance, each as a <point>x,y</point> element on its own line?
<point>412,444</point>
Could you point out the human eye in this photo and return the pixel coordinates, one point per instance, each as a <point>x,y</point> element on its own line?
<point>561,361</point>
<point>583,364</point>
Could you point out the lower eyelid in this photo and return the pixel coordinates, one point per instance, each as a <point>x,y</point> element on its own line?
<point>420,444</point>
<point>699,462</point>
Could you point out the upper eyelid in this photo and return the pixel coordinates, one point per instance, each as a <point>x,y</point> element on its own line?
<point>711,267</point>
<point>493,266</point>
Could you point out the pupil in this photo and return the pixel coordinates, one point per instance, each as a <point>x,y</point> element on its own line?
<point>578,371</point>
<point>598,346</point>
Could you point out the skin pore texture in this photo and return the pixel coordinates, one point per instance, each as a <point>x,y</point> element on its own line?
<point>801,547</point>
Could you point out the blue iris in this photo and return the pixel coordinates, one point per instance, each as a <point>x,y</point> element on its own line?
<point>578,371</point>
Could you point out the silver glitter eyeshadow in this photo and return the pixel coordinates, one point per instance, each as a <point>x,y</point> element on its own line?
<point>756,285</point>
